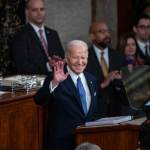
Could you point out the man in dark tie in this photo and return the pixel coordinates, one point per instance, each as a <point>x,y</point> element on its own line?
<point>36,48</point>
<point>141,28</point>
<point>70,95</point>
<point>105,64</point>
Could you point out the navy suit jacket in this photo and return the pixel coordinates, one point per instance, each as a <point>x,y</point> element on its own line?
<point>142,56</point>
<point>28,53</point>
<point>65,111</point>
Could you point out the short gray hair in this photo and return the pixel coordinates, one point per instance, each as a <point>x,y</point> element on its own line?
<point>75,43</point>
<point>87,146</point>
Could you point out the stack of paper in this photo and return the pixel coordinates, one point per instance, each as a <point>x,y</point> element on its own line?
<point>108,121</point>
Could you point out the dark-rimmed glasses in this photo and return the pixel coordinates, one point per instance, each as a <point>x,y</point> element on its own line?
<point>144,27</point>
<point>103,31</point>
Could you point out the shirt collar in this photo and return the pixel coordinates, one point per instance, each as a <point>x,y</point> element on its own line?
<point>73,75</point>
<point>142,44</point>
<point>36,28</point>
<point>97,50</point>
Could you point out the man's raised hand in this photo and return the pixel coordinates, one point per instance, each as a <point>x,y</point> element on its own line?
<point>59,75</point>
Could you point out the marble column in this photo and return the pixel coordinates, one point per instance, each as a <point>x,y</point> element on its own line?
<point>106,11</point>
<point>70,18</point>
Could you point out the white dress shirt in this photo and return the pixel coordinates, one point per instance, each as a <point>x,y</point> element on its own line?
<point>74,78</point>
<point>36,29</point>
<point>105,55</point>
<point>142,47</point>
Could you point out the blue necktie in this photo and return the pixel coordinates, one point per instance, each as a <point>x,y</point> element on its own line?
<point>82,94</point>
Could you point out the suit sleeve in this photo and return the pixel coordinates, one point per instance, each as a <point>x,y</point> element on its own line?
<point>21,55</point>
<point>43,95</point>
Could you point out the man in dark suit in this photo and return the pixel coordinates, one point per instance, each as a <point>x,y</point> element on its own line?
<point>70,95</point>
<point>36,48</point>
<point>141,28</point>
<point>105,63</point>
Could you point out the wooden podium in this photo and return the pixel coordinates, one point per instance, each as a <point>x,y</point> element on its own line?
<point>116,137</point>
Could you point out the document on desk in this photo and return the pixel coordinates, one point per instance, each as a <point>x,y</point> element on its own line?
<point>108,121</point>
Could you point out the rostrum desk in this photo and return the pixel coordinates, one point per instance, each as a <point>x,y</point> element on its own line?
<point>23,127</point>
<point>117,137</point>
<point>22,122</point>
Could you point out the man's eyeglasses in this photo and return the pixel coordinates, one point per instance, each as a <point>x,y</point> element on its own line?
<point>103,31</point>
<point>144,27</point>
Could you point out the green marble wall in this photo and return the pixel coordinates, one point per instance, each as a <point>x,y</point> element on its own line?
<point>12,19</point>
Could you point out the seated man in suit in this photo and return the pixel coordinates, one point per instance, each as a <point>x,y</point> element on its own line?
<point>70,95</point>
<point>36,48</point>
<point>105,63</point>
<point>141,28</point>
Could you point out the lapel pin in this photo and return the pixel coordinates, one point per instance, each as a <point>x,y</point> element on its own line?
<point>47,31</point>
<point>91,81</point>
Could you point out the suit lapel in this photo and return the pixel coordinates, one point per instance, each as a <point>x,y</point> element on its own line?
<point>34,35</point>
<point>71,86</point>
<point>111,64</point>
<point>112,60</point>
<point>95,61</point>
<point>92,91</point>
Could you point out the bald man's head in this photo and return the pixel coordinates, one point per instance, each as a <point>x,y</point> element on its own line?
<point>95,26</point>
<point>99,34</point>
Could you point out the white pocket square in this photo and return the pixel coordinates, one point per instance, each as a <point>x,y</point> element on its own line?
<point>95,94</point>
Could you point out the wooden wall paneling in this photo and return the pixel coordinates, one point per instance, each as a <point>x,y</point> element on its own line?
<point>19,125</point>
<point>28,129</point>
<point>121,137</point>
<point>135,142</point>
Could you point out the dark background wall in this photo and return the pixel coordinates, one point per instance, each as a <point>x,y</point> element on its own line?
<point>12,18</point>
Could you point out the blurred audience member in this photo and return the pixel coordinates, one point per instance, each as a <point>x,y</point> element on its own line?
<point>105,63</point>
<point>36,48</point>
<point>146,9</point>
<point>87,146</point>
<point>144,135</point>
<point>141,28</point>
<point>127,45</point>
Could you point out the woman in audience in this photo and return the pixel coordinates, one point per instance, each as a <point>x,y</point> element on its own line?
<point>144,135</point>
<point>87,146</point>
<point>127,44</point>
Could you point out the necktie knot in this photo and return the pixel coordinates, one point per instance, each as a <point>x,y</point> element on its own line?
<point>102,53</point>
<point>79,79</point>
<point>40,31</point>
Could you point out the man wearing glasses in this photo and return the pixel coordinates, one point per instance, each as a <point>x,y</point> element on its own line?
<point>141,27</point>
<point>105,64</point>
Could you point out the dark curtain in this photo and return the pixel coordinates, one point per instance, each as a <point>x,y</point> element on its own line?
<point>12,19</point>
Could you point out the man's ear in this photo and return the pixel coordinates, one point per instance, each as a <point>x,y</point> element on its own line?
<point>27,12</point>
<point>92,36</point>
<point>66,57</point>
<point>134,29</point>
